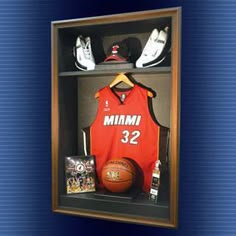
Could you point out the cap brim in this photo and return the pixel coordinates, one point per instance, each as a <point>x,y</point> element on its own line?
<point>115,58</point>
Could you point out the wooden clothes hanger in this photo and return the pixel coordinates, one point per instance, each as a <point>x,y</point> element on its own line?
<point>121,77</point>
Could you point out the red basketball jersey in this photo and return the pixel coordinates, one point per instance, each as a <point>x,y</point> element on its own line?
<point>124,127</point>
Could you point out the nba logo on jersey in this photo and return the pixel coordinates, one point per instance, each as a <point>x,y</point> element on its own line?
<point>106,108</point>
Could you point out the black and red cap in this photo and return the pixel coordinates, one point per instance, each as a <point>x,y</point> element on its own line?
<point>118,51</point>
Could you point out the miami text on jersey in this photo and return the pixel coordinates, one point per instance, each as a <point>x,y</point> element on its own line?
<point>122,120</point>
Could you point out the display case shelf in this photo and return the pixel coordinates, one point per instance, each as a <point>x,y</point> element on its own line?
<point>152,70</point>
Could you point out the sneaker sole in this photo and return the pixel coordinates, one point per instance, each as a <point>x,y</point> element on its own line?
<point>153,64</point>
<point>81,67</point>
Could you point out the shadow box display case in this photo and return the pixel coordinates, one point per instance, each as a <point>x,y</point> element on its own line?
<point>116,116</point>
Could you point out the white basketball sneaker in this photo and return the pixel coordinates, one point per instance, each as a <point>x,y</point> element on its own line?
<point>153,52</point>
<point>83,54</point>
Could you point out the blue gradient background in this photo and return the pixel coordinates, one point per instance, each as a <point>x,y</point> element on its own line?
<point>207,200</point>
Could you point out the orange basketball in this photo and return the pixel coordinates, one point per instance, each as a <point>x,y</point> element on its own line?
<point>118,175</point>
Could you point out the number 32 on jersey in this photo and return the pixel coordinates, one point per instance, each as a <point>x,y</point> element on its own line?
<point>130,137</point>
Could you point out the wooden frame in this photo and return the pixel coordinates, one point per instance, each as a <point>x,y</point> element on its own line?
<point>68,75</point>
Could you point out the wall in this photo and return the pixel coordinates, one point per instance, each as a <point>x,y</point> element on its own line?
<point>207,204</point>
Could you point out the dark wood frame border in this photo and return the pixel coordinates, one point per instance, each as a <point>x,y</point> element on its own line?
<point>175,13</point>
